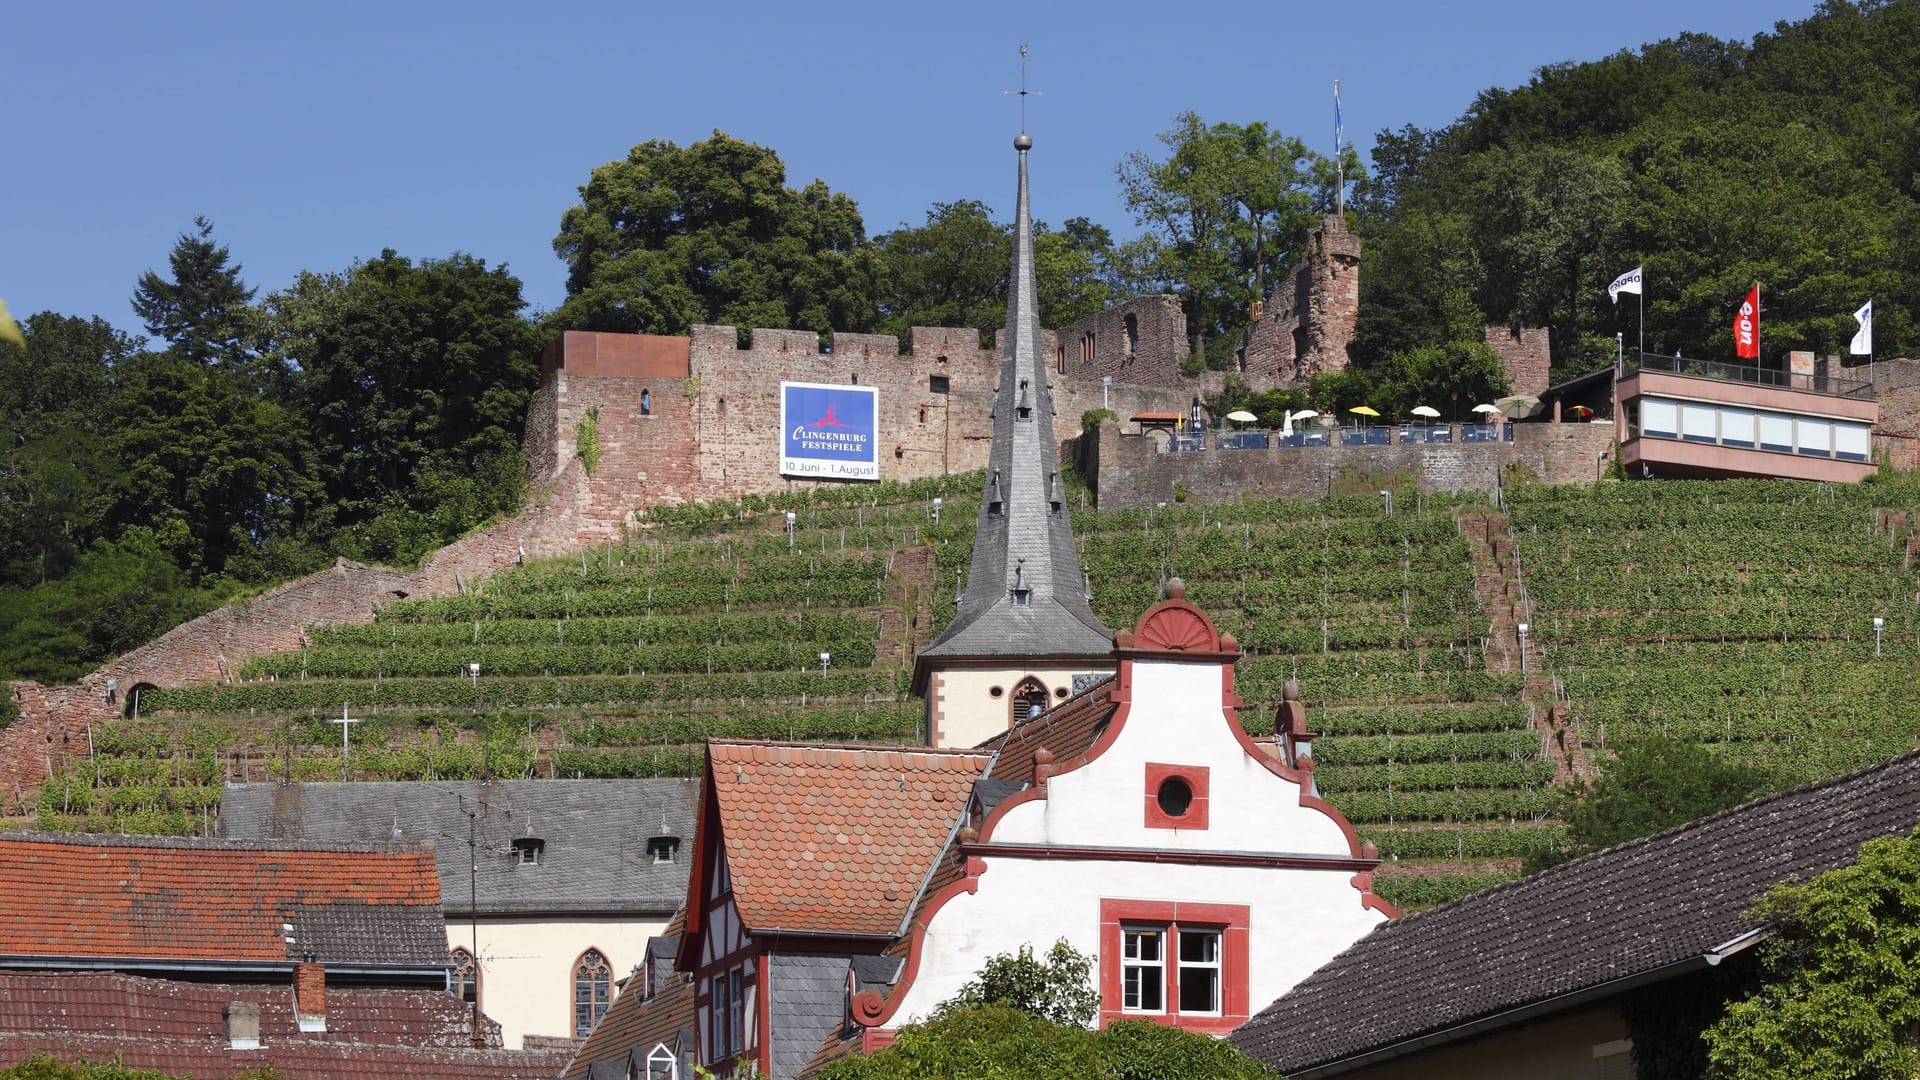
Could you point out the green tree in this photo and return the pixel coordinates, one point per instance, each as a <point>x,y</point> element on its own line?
<point>1058,989</point>
<point>1227,210</point>
<point>204,311</point>
<point>996,1042</point>
<point>413,382</point>
<point>1652,784</point>
<point>953,270</point>
<point>670,237</point>
<point>1841,996</point>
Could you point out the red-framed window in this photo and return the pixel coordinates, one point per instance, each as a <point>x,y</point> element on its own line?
<point>1175,963</point>
<point>1177,796</point>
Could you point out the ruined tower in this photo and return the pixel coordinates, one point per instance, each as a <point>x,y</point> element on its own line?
<point>1309,316</point>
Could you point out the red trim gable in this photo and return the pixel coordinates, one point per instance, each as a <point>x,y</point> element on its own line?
<point>705,852</point>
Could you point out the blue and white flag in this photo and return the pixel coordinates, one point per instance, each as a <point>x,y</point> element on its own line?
<point>1863,341</point>
<point>1336,119</point>
<point>1627,282</point>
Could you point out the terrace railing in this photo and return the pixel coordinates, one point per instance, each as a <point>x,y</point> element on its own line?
<point>1831,385</point>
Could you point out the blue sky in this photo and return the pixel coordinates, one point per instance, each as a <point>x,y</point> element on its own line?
<point>316,134</point>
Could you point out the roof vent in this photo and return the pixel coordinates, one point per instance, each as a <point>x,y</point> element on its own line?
<point>662,848</point>
<point>528,849</point>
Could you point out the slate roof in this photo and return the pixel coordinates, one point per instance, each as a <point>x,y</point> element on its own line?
<point>1617,914</point>
<point>834,839</point>
<point>596,833</point>
<point>1022,538</point>
<point>635,1024</point>
<point>64,895</point>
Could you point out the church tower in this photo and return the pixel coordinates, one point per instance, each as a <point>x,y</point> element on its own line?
<point>1024,627</point>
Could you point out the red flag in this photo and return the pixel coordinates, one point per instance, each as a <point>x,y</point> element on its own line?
<point>1746,327</point>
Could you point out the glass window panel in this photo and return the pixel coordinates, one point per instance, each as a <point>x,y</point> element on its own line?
<point>1736,427</point>
<point>1776,432</point>
<point>1816,437</point>
<point>1852,441</point>
<point>1199,989</point>
<point>1659,418</point>
<point>1699,423</point>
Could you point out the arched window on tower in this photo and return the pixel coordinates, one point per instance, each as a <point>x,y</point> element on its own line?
<point>1029,699</point>
<point>466,976</point>
<point>592,991</point>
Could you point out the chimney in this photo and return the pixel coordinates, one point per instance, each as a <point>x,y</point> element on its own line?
<point>309,996</point>
<point>241,1019</point>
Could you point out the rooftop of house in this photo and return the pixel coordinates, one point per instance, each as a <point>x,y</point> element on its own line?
<point>1579,931</point>
<point>595,836</point>
<point>179,1028</point>
<point>835,839</point>
<point>222,901</point>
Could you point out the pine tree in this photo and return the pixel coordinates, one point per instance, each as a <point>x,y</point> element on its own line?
<point>204,312</point>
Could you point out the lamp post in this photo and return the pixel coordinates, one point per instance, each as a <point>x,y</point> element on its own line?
<point>1388,496</point>
<point>1879,624</point>
<point>1523,648</point>
<point>792,519</point>
<point>826,661</point>
<point>933,512</point>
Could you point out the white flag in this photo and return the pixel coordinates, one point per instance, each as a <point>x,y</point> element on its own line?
<point>1627,282</point>
<point>1863,341</point>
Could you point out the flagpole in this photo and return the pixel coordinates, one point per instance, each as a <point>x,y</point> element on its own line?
<point>1641,298</point>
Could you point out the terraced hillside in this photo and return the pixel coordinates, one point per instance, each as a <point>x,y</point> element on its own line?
<point>1400,625</point>
<point>1736,614</point>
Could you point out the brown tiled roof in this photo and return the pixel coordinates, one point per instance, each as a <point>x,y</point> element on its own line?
<point>294,1061</point>
<point>153,898</point>
<point>633,1021</point>
<point>176,1027</point>
<point>834,839</point>
<point>1068,731</point>
<point>108,1003</point>
<point>1614,915</point>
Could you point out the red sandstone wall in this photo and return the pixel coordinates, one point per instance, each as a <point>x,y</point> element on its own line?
<point>1525,353</point>
<point>1100,345</point>
<point>1309,316</point>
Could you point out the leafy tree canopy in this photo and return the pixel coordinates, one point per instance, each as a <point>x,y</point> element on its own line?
<point>1058,989</point>
<point>997,1042</point>
<point>671,237</point>
<point>1841,997</point>
<point>204,311</point>
<point>1652,784</point>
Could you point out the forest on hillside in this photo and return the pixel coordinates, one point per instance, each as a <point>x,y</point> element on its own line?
<point>376,412</point>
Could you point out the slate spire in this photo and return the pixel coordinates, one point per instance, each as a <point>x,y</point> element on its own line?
<point>1025,595</point>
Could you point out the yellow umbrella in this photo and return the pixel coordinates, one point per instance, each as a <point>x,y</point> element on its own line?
<point>1363,410</point>
<point>10,330</point>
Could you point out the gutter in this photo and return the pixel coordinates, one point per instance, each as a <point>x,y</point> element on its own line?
<point>1499,1021</point>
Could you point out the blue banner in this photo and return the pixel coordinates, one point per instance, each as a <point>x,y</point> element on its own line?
<point>829,432</point>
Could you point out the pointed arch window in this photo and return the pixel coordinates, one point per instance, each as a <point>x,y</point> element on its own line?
<point>592,991</point>
<point>466,976</point>
<point>1030,699</point>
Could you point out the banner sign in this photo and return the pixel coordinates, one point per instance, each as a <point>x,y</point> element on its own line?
<point>829,431</point>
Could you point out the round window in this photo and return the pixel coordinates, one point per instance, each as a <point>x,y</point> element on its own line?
<point>1059,691</point>
<point>1174,796</point>
<point>996,691</point>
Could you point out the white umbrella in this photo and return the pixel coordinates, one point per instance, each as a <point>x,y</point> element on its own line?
<point>1484,409</point>
<point>1425,410</point>
<point>1242,416</point>
<point>1286,426</point>
<point>1305,414</point>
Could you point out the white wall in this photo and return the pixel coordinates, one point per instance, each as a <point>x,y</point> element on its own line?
<point>1298,918</point>
<point>526,965</point>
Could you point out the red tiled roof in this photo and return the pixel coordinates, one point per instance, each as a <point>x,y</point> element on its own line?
<point>295,1061</point>
<point>834,839</point>
<point>176,1027</point>
<point>98,896</point>
<point>111,1004</point>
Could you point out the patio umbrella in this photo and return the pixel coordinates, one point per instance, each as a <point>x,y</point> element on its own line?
<point>1363,410</point>
<point>1486,408</point>
<point>1425,410</point>
<point>1580,410</point>
<point>1286,426</point>
<point>1518,407</point>
<point>1242,416</point>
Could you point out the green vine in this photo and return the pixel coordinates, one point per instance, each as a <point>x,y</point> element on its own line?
<point>586,440</point>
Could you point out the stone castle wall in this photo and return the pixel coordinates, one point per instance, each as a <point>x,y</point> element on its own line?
<point>1525,351</point>
<point>1134,471</point>
<point>1307,320</point>
<point>1140,342</point>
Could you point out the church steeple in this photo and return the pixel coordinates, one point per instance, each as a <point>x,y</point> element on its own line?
<point>1025,601</point>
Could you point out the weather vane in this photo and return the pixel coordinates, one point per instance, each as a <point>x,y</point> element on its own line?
<point>1023,92</point>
